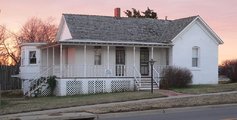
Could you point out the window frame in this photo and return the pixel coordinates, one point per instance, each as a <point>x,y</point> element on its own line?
<point>120,56</point>
<point>196,57</point>
<point>32,57</point>
<point>97,55</point>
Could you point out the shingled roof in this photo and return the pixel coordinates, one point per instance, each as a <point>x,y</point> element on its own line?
<point>105,28</point>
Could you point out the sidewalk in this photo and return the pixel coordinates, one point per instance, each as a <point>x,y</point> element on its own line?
<point>174,100</point>
<point>170,93</point>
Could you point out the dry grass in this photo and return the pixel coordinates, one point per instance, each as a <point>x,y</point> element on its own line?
<point>13,105</point>
<point>200,89</point>
<point>166,103</point>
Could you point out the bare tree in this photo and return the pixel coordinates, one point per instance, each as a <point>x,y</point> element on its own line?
<point>34,30</point>
<point>9,47</point>
<point>37,30</point>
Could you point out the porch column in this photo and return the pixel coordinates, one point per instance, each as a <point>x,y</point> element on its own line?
<point>152,53</point>
<point>53,61</point>
<point>134,60</point>
<point>84,60</point>
<point>61,60</point>
<point>108,58</point>
<point>47,61</point>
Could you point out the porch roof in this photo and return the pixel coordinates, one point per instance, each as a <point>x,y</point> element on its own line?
<point>105,43</point>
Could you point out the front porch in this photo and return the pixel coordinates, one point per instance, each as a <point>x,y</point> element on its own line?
<point>89,68</point>
<point>103,60</point>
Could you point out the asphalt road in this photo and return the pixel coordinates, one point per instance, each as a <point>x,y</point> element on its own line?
<point>219,112</point>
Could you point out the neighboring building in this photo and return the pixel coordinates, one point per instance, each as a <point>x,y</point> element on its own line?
<point>108,54</point>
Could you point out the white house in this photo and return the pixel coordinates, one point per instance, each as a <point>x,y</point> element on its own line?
<point>94,54</point>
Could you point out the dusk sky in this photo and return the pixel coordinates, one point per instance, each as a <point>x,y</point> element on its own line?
<point>220,15</point>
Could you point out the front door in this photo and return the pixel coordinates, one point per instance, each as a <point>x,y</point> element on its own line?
<point>120,61</point>
<point>144,61</point>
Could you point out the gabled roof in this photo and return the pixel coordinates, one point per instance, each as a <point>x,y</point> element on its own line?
<point>105,28</point>
<point>175,27</point>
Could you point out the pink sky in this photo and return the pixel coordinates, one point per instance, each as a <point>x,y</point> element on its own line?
<point>220,15</point>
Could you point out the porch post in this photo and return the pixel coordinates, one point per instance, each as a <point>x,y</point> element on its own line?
<point>47,61</point>
<point>53,61</point>
<point>61,60</point>
<point>152,53</point>
<point>134,60</point>
<point>85,60</point>
<point>108,58</point>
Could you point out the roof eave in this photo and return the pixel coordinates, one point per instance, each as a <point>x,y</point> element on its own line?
<point>114,42</point>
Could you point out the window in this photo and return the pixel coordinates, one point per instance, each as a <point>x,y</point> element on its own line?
<point>195,57</point>
<point>120,61</point>
<point>120,55</point>
<point>32,57</point>
<point>97,55</point>
<point>22,57</point>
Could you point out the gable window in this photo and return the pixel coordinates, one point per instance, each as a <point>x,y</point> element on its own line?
<point>32,57</point>
<point>195,57</point>
<point>97,55</point>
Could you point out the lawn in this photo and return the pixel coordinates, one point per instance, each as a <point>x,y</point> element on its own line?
<point>200,89</point>
<point>14,105</point>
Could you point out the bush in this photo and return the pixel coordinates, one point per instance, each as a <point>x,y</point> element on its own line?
<point>51,80</point>
<point>229,69</point>
<point>175,77</point>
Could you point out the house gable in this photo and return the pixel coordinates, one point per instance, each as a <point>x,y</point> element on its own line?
<point>197,35</point>
<point>203,25</point>
<point>63,31</point>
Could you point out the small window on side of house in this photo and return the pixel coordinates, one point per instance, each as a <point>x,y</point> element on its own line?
<point>97,59</point>
<point>32,57</point>
<point>195,57</point>
<point>22,57</point>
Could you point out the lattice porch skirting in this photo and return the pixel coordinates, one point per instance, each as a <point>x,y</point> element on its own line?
<point>93,85</point>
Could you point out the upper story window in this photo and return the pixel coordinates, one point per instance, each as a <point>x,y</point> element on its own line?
<point>32,57</point>
<point>97,60</point>
<point>195,56</point>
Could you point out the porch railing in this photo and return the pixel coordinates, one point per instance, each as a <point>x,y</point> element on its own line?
<point>156,76</point>
<point>93,71</point>
<point>137,77</point>
<point>160,68</point>
<point>98,70</point>
<point>37,81</point>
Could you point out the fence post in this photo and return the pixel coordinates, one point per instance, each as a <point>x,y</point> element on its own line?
<point>0,96</point>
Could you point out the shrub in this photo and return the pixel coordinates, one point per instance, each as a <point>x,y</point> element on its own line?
<point>51,80</point>
<point>175,77</point>
<point>229,69</point>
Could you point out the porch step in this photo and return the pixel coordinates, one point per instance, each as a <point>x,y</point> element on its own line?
<point>146,83</point>
<point>154,88</point>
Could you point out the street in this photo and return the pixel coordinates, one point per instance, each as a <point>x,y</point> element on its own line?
<point>219,112</point>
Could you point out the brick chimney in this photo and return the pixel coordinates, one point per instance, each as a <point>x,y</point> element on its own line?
<point>117,12</point>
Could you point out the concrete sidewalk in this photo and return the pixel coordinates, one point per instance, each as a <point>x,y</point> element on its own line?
<point>145,104</point>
